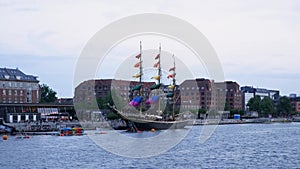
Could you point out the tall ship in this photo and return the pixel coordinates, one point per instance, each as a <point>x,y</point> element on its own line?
<point>161,100</point>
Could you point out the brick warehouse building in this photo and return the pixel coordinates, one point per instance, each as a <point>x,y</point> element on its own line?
<point>90,89</point>
<point>207,94</point>
<point>295,103</point>
<point>194,94</point>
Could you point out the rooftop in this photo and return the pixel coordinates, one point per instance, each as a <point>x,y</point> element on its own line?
<point>16,75</point>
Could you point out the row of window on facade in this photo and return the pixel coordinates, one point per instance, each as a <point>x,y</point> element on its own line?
<point>105,87</point>
<point>15,92</point>
<point>16,100</point>
<point>19,85</point>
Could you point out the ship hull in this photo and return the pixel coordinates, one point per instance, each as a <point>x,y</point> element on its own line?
<point>159,125</point>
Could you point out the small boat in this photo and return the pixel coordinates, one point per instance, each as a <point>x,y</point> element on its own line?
<point>22,136</point>
<point>68,131</point>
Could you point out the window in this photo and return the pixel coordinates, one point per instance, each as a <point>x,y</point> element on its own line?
<point>4,92</point>
<point>9,92</point>
<point>105,87</point>
<point>16,93</point>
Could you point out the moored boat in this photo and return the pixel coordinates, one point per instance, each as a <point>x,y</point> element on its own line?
<point>159,121</point>
<point>68,131</point>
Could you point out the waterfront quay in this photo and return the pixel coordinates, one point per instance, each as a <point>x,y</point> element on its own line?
<point>45,128</point>
<point>244,121</point>
<point>55,126</point>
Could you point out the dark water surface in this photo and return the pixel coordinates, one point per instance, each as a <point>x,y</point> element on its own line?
<point>231,146</point>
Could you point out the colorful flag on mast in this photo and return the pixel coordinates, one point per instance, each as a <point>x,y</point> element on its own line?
<point>172,69</point>
<point>137,64</point>
<point>157,56</point>
<point>156,77</point>
<point>138,56</point>
<point>171,76</point>
<point>137,75</point>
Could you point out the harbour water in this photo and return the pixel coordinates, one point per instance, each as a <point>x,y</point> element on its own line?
<point>273,145</point>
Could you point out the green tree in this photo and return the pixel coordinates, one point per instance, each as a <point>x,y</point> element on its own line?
<point>112,98</point>
<point>201,111</point>
<point>284,106</point>
<point>226,106</point>
<point>254,104</point>
<point>47,94</point>
<point>267,106</point>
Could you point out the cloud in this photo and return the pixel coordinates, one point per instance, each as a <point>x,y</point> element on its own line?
<point>250,37</point>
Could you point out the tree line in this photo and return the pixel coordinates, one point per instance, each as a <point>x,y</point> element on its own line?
<point>266,106</point>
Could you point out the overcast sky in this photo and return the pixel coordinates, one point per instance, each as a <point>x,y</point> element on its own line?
<point>257,42</point>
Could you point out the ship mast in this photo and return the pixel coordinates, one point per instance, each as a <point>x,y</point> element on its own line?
<point>159,65</point>
<point>159,76</point>
<point>173,90</point>
<point>141,68</point>
<point>141,74</point>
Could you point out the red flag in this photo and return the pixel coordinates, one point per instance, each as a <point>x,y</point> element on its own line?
<point>137,64</point>
<point>172,69</point>
<point>171,76</point>
<point>156,65</point>
<point>138,56</point>
<point>157,56</point>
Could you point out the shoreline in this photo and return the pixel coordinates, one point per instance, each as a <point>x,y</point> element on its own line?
<point>244,121</point>
<point>22,127</point>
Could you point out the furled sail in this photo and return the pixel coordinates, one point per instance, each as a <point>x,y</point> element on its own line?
<point>137,87</point>
<point>171,87</point>
<point>156,77</point>
<point>152,100</point>
<point>137,75</point>
<point>156,86</point>
<point>170,95</point>
<point>156,64</point>
<point>137,64</point>
<point>171,75</point>
<point>136,101</point>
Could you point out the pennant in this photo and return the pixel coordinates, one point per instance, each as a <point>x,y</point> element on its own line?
<point>157,56</point>
<point>138,56</point>
<point>156,65</point>
<point>172,69</point>
<point>137,64</point>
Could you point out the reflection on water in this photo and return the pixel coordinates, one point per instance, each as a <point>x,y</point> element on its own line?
<point>231,146</point>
